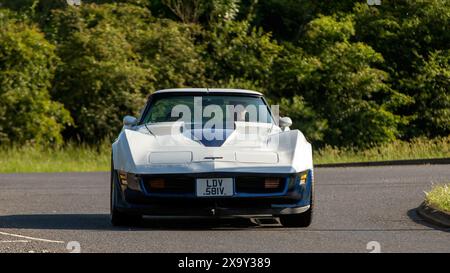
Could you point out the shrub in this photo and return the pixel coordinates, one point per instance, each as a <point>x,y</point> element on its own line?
<point>27,65</point>
<point>341,82</point>
<point>235,50</point>
<point>100,78</point>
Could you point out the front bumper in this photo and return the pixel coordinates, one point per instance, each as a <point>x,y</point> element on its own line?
<point>294,198</point>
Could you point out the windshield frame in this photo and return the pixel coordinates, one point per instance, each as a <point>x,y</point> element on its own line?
<point>152,98</point>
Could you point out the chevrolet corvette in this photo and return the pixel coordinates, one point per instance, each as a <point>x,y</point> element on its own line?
<point>212,153</point>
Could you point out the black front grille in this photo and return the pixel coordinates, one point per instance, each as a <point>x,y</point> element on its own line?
<point>173,185</point>
<point>253,184</point>
<point>186,185</point>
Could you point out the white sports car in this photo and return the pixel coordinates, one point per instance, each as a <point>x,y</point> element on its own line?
<point>211,152</point>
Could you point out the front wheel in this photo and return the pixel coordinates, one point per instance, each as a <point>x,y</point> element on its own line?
<point>297,220</point>
<point>119,218</point>
<point>302,219</point>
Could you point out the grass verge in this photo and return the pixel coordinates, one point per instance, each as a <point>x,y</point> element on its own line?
<point>439,197</point>
<point>68,158</point>
<point>83,158</point>
<point>419,148</point>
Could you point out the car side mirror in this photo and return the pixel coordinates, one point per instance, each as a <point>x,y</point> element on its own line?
<point>129,121</point>
<point>285,123</point>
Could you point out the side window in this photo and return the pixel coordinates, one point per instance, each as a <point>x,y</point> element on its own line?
<point>161,110</point>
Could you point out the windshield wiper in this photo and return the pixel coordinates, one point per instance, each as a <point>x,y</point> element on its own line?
<point>148,129</point>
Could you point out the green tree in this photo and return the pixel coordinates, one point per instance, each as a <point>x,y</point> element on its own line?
<point>340,81</point>
<point>431,89</point>
<point>237,51</point>
<point>325,31</point>
<point>404,31</point>
<point>195,11</point>
<point>27,65</point>
<point>287,19</point>
<point>304,118</point>
<point>169,48</point>
<point>408,34</point>
<point>350,73</point>
<point>100,78</point>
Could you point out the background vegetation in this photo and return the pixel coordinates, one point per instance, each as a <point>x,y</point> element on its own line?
<point>439,197</point>
<point>352,76</point>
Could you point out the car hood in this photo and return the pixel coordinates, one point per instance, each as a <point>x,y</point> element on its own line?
<point>176,148</point>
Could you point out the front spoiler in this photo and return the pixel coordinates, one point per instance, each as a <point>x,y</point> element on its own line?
<point>214,211</point>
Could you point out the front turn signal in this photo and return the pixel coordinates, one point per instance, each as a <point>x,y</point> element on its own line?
<point>271,183</point>
<point>123,178</point>
<point>157,183</point>
<point>303,177</point>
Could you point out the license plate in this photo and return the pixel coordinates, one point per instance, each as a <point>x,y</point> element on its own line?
<point>212,187</point>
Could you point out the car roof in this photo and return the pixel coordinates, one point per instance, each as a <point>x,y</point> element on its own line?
<point>208,90</point>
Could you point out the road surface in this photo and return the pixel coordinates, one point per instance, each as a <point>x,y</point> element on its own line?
<point>63,212</point>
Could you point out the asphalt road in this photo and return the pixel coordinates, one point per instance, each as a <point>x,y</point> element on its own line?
<point>354,206</point>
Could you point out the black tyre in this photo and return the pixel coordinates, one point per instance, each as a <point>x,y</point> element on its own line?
<point>119,218</point>
<point>297,220</point>
<point>302,219</point>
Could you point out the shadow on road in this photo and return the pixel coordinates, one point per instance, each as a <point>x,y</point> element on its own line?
<point>412,214</point>
<point>101,222</point>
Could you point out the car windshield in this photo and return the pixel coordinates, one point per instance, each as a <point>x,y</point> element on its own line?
<point>225,109</point>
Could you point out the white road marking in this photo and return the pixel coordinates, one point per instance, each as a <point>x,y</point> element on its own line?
<point>31,238</point>
<point>14,241</point>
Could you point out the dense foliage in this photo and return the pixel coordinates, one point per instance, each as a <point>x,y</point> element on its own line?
<point>349,74</point>
<point>27,64</point>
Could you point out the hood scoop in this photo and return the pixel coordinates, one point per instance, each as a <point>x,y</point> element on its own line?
<point>211,137</point>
